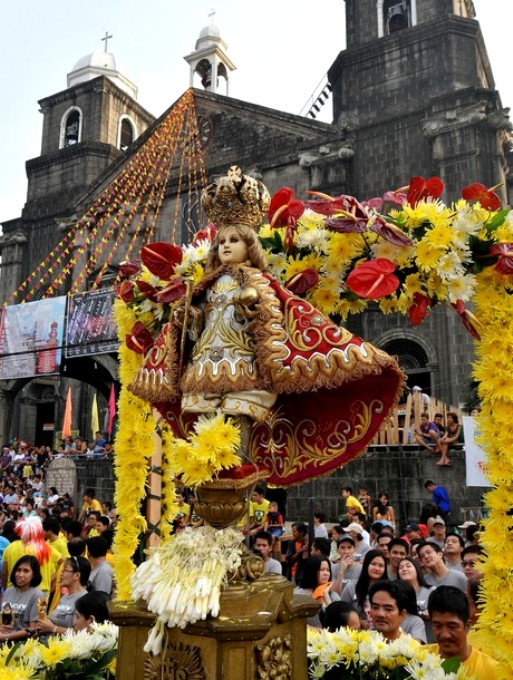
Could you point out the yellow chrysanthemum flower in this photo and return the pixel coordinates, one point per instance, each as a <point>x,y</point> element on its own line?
<point>56,651</point>
<point>344,247</point>
<point>440,236</point>
<point>324,299</point>
<point>427,255</point>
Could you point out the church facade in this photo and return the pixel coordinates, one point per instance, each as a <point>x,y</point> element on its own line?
<point>413,94</point>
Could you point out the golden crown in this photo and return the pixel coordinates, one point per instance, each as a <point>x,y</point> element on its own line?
<point>236,199</point>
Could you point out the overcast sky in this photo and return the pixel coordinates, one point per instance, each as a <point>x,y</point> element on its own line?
<point>282,50</point>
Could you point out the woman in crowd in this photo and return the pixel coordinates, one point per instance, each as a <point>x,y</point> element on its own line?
<point>74,577</point>
<point>410,572</point>
<point>336,534</point>
<point>451,436</point>
<point>383,511</point>
<point>374,569</point>
<point>412,625</point>
<point>21,602</point>
<point>316,582</point>
<point>91,608</point>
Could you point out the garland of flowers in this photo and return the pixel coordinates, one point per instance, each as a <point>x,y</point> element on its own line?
<point>134,447</point>
<point>169,506</point>
<point>88,655</point>
<point>181,580</point>
<point>494,306</point>
<point>355,654</point>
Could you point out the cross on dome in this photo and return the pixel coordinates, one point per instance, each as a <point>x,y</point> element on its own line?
<point>106,39</point>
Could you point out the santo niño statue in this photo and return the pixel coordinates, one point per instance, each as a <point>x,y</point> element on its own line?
<point>317,394</point>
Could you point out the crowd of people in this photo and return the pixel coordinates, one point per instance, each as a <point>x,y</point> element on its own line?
<point>365,571</point>
<point>368,572</point>
<point>56,561</point>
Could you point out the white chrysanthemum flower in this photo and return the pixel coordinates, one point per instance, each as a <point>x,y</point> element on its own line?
<point>461,287</point>
<point>449,266</point>
<point>316,239</point>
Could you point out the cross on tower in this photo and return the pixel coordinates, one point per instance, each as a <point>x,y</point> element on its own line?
<point>211,15</point>
<point>106,39</point>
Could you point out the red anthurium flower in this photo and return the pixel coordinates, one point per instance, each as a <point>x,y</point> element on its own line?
<point>140,339</point>
<point>419,310</point>
<point>505,262</point>
<point>161,258</point>
<point>125,291</point>
<point>421,188</point>
<point>147,290</point>
<point>327,205</point>
<point>373,203</point>
<point>129,267</point>
<point>353,218</point>
<point>397,197</point>
<point>478,192</point>
<point>206,234</point>
<point>374,279</point>
<point>469,320</point>
<point>303,281</point>
<point>390,232</point>
<point>172,292</point>
<point>284,211</point>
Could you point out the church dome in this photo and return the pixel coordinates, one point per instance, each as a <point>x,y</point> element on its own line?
<point>210,35</point>
<point>101,63</point>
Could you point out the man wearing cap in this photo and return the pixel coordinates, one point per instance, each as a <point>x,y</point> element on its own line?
<point>466,525</point>
<point>346,570</point>
<point>411,532</point>
<point>361,545</point>
<point>439,530</point>
<point>440,498</point>
<point>432,559</point>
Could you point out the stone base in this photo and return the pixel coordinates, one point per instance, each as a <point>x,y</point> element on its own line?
<point>259,634</point>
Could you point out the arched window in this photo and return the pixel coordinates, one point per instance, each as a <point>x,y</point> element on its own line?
<point>126,133</point>
<point>395,15</point>
<point>70,128</point>
<point>413,359</point>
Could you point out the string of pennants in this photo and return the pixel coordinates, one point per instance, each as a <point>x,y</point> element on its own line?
<point>126,212</point>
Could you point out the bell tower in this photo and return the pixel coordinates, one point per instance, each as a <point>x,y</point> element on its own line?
<point>415,90</point>
<point>210,62</point>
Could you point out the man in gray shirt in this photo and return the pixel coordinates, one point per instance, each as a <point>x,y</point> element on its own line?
<point>432,558</point>
<point>102,575</point>
<point>346,570</point>
<point>263,545</point>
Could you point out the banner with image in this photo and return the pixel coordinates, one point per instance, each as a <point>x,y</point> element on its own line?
<point>31,337</point>
<point>90,327</point>
<point>475,458</point>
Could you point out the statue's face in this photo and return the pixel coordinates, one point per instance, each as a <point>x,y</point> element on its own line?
<point>232,249</point>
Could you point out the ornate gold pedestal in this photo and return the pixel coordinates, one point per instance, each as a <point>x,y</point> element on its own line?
<point>260,634</point>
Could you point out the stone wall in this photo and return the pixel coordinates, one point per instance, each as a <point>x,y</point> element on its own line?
<point>399,471</point>
<point>97,474</point>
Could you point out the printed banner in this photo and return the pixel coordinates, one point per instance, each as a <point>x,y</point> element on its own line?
<point>474,456</point>
<point>31,337</point>
<point>91,328</point>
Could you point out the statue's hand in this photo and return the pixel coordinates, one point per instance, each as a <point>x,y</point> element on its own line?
<point>245,302</point>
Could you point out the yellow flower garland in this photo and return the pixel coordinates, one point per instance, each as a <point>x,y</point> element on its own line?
<point>134,447</point>
<point>494,308</point>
